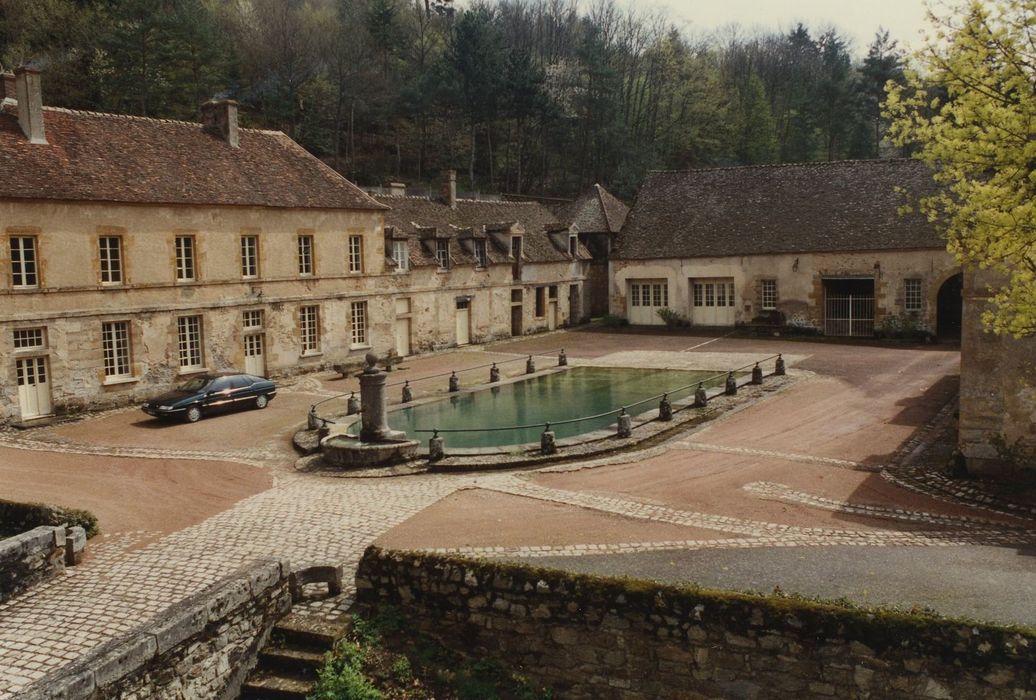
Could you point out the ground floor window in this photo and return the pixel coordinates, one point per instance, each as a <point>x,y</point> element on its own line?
<point>649,294</point>
<point>115,343</point>
<point>912,297</point>
<point>309,329</point>
<point>541,302</point>
<point>188,331</point>
<point>358,317</point>
<point>768,295</point>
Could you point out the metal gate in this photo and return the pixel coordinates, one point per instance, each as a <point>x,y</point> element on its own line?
<point>849,315</point>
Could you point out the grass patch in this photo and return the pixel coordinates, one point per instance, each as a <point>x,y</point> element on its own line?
<point>368,665</point>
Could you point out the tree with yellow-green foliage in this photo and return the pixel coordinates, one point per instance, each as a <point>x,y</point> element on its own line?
<point>969,109</point>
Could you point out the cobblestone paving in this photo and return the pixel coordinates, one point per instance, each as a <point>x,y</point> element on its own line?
<point>308,518</point>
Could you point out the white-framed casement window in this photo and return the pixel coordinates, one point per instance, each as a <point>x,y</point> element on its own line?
<point>401,255</point>
<point>29,339</point>
<point>189,342</point>
<point>649,294</point>
<point>249,256</point>
<point>115,343</point>
<point>358,323</point>
<point>355,254</point>
<point>309,329</point>
<point>768,295</point>
<point>442,253</point>
<point>110,248</point>
<point>913,299</point>
<point>252,319</point>
<point>481,254</point>
<point>24,262</point>
<point>186,270</point>
<point>305,254</point>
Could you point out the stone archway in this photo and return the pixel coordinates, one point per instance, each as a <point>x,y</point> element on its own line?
<point>949,307</point>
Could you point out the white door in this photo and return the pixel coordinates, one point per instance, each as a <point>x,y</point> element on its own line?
<point>463,322</point>
<point>402,327</point>
<point>712,302</point>
<point>33,387</point>
<point>552,314</point>
<point>646,297</point>
<point>255,363</point>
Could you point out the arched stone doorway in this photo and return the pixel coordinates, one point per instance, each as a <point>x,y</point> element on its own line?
<point>949,307</point>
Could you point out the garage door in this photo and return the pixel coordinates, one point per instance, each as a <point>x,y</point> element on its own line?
<point>712,301</point>
<point>646,297</point>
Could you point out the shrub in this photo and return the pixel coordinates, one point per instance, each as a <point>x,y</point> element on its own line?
<point>342,677</point>
<point>672,318</point>
<point>613,321</point>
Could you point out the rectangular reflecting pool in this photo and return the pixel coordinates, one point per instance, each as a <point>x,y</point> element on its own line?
<point>574,393</point>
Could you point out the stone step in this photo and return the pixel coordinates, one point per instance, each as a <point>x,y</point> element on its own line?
<point>272,686</point>
<point>296,662</point>
<point>306,633</point>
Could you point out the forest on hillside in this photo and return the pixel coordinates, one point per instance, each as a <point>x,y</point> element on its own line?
<point>520,96</point>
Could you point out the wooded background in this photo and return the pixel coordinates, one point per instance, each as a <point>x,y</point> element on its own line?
<point>520,96</point>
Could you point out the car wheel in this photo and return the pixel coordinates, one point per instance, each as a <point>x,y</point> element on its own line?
<point>193,414</point>
<point>261,401</point>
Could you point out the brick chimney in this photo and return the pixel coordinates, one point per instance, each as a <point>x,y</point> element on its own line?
<point>219,118</point>
<point>449,189</point>
<point>30,103</point>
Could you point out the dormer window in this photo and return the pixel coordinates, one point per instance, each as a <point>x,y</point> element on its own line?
<point>442,253</point>
<point>481,256</point>
<point>573,245</point>
<point>401,255</point>
<point>516,255</point>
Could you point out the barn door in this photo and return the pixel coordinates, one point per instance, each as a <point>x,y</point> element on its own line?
<point>33,387</point>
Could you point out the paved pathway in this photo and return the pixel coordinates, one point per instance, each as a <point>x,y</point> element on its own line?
<point>132,576</point>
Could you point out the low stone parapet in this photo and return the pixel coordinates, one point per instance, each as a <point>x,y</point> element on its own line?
<point>37,556</point>
<point>587,637</point>
<point>203,647</point>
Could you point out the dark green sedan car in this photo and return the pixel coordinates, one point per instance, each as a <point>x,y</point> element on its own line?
<point>212,393</point>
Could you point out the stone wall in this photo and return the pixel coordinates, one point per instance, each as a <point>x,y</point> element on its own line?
<point>31,558</point>
<point>584,637</point>
<point>997,391</point>
<point>201,648</point>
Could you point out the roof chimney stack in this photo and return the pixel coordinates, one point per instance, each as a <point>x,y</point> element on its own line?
<point>30,103</point>
<point>219,118</point>
<point>449,189</point>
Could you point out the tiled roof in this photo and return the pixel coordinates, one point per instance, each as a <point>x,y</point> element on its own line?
<point>412,215</point>
<point>814,207</point>
<point>595,211</point>
<point>114,158</point>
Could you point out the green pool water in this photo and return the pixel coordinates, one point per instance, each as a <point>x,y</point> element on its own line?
<point>577,392</point>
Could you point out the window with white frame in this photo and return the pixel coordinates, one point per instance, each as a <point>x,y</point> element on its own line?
<point>305,254</point>
<point>401,255</point>
<point>481,254</point>
<point>442,253</point>
<point>309,329</point>
<point>649,294</point>
<point>29,339</point>
<point>185,267</point>
<point>768,294</point>
<point>111,259</point>
<point>355,254</point>
<point>188,333</point>
<point>24,262</point>
<point>249,256</point>
<point>358,323</point>
<point>115,343</point>
<point>252,319</point>
<point>912,297</point>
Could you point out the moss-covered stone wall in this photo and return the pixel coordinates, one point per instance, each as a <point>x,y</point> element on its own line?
<point>586,637</point>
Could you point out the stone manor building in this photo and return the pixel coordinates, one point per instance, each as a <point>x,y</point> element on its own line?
<point>137,252</point>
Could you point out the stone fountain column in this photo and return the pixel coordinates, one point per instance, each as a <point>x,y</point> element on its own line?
<point>374,405</point>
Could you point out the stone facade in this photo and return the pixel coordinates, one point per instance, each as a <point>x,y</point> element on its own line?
<point>31,558</point>
<point>202,647</point>
<point>799,284</point>
<point>998,391</point>
<point>583,637</point>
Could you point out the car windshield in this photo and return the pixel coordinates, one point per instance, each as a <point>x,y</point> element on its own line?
<point>195,385</point>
